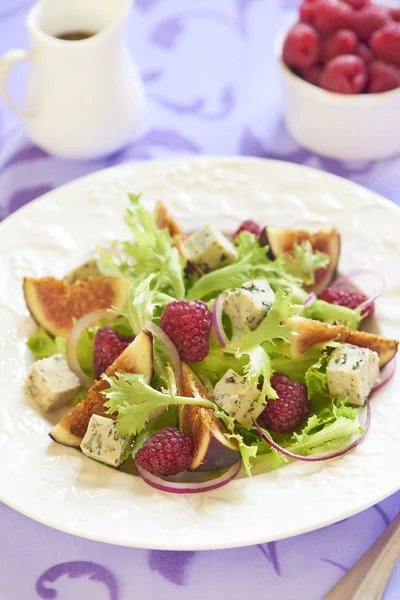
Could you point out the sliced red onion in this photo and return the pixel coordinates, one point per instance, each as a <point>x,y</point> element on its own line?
<point>73,339</point>
<point>369,273</point>
<point>310,299</point>
<point>175,487</point>
<point>172,351</point>
<point>335,454</point>
<point>220,334</point>
<point>386,375</point>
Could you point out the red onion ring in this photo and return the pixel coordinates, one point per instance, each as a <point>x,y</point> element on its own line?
<point>387,373</point>
<point>220,334</point>
<point>73,339</point>
<point>325,456</point>
<point>310,299</point>
<point>354,274</point>
<point>172,351</point>
<point>175,487</point>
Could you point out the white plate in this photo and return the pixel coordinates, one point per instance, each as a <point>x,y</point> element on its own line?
<point>64,489</point>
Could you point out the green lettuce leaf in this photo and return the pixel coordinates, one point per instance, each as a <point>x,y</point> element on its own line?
<point>258,369</point>
<point>134,401</point>
<point>214,366</point>
<point>332,313</point>
<point>303,262</point>
<point>42,345</point>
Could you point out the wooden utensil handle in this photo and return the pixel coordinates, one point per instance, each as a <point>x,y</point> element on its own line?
<point>369,576</point>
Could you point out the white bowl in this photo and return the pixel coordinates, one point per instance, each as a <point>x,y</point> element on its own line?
<point>359,127</point>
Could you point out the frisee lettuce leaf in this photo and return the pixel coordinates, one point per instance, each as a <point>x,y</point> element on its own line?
<point>248,452</point>
<point>150,253</point>
<point>303,262</point>
<point>144,302</point>
<point>272,327</point>
<point>258,368</point>
<point>134,401</point>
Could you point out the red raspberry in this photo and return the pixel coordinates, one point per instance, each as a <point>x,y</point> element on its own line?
<point>188,324</point>
<point>312,75</point>
<point>250,226</point>
<point>368,19</point>
<point>357,3</point>
<point>167,452</point>
<point>386,43</point>
<point>365,53</point>
<point>395,13</point>
<point>326,16</point>
<point>341,42</point>
<point>291,407</point>
<point>382,77</point>
<point>108,345</point>
<point>345,296</point>
<point>301,46</point>
<point>344,74</point>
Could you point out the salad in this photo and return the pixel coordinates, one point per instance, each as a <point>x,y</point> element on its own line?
<point>204,353</point>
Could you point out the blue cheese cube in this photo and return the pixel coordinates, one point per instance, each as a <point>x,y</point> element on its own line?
<point>249,304</point>
<point>210,249</point>
<point>352,372</point>
<point>51,383</point>
<point>101,441</point>
<point>238,397</point>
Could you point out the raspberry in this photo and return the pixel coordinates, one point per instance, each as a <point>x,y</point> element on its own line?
<point>395,13</point>
<point>250,226</point>
<point>341,42</point>
<point>386,43</point>
<point>312,75</point>
<point>326,16</point>
<point>345,296</point>
<point>365,53</point>
<point>188,324</point>
<point>382,77</point>
<point>357,3</point>
<point>108,345</point>
<point>344,74</point>
<point>291,407</point>
<point>368,19</point>
<point>167,452</point>
<point>301,46</point>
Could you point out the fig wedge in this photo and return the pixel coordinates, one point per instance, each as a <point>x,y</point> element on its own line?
<point>164,220</point>
<point>212,449</point>
<point>136,358</point>
<point>53,303</point>
<point>325,240</point>
<point>307,333</point>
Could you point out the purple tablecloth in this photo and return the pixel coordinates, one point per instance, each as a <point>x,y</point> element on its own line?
<point>212,88</point>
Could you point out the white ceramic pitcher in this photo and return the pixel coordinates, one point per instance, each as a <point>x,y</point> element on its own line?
<point>83,99</point>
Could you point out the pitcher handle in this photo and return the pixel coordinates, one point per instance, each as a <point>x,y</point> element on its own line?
<point>7,61</point>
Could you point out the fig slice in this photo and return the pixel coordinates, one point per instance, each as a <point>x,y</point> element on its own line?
<point>54,303</point>
<point>213,451</point>
<point>324,240</point>
<point>136,358</point>
<point>164,220</point>
<point>307,333</point>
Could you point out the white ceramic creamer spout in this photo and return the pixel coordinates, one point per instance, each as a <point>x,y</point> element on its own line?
<point>83,98</point>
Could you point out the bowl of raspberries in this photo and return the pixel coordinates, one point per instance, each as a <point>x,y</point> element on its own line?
<point>340,63</point>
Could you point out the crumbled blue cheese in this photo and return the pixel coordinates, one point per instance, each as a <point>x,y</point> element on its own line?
<point>238,397</point>
<point>51,383</point>
<point>247,306</point>
<point>210,249</point>
<point>352,372</point>
<point>101,441</point>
